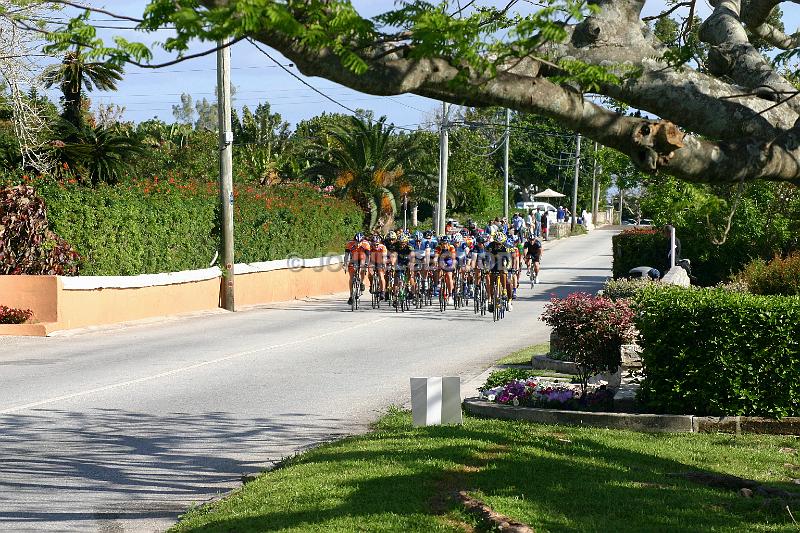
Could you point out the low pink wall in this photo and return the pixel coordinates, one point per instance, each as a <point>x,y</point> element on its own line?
<point>282,285</point>
<point>37,293</point>
<point>56,308</point>
<point>80,308</point>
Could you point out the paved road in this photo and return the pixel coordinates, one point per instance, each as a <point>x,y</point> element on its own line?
<point>122,429</point>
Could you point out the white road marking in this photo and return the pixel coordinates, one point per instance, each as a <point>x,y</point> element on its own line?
<point>182,369</point>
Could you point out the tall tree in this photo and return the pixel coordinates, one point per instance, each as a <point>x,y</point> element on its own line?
<point>366,162</point>
<point>721,118</point>
<point>76,74</point>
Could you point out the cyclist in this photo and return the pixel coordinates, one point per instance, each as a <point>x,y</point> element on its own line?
<point>446,260</point>
<point>462,248</point>
<point>404,255</point>
<point>428,247</point>
<point>378,258</point>
<point>356,255</point>
<point>500,259</point>
<point>533,255</point>
<point>512,281</point>
<point>391,244</point>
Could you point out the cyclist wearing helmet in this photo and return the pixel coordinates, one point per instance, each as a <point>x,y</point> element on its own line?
<point>404,254</point>
<point>377,266</point>
<point>500,259</point>
<point>429,251</point>
<point>512,243</point>
<point>446,260</point>
<point>356,255</point>
<point>533,255</point>
<point>391,244</point>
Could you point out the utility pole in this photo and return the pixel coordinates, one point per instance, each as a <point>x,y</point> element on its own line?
<point>444,153</point>
<point>575,183</point>
<point>226,168</point>
<point>596,206</point>
<point>594,184</point>
<point>505,163</point>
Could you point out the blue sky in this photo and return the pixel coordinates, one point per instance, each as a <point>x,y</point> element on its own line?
<point>148,93</point>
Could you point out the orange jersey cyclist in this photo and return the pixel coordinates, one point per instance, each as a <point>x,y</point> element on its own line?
<point>356,256</point>
<point>378,259</point>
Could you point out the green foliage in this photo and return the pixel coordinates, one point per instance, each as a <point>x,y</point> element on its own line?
<point>618,289</point>
<point>129,230</point>
<point>292,220</point>
<point>779,276</point>
<point>718,352</point>
<point>366,163</point>
<point>501,377</point>
<point>27,246</point>
<point>98,154</point>
<point>639,247</point>
<point>154,226</point>
<point>766,223</point>
<point>76,74</point>
<point>11,315</point>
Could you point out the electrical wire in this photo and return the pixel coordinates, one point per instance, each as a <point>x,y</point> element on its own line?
<point>304,82</point>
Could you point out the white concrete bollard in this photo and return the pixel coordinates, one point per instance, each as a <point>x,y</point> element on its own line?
<point>436,401</point>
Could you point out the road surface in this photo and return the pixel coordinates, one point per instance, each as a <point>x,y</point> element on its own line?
<point>121,429</point>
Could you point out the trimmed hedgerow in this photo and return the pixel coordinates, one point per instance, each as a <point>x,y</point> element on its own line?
<point>639,247</point>
<point>719,352</point>
<point>779,276</point>
<point>155,226</point>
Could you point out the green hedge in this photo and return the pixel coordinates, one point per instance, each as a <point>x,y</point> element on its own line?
<point>639,247</point>
<point>719,352</point>
<point>151,226</point>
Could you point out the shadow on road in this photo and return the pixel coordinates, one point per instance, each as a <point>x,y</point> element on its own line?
<point>109,464</point>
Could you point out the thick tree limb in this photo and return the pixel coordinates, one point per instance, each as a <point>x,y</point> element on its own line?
<point>776,37</point>
<point>758,143</point>
<point>733,56</point>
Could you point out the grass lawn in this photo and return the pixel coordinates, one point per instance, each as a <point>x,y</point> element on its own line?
<point>398,478</point>
<point>523,356</point>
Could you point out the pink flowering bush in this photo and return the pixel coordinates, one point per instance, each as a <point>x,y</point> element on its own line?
<point>591,331</point>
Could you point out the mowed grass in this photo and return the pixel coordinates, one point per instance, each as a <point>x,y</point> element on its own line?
<point>523,356</point>
<point>554,478</point>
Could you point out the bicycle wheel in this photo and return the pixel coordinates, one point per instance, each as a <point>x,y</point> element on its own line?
<point>354,293</point>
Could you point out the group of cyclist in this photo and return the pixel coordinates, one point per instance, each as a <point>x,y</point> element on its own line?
<point>471,252</point>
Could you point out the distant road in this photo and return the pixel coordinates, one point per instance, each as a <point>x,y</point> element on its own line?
<point>122,429</point>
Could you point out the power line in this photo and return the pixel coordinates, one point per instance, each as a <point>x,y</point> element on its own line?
<point>304,82</point>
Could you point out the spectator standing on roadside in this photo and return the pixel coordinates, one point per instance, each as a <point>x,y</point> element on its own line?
<point>519,223</point>
<point>544,224</point>
<point>538,221</point>
<point>529,221</point>
<point>560,214</point>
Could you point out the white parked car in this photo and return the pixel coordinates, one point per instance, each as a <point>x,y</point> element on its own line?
<point>544,206</point>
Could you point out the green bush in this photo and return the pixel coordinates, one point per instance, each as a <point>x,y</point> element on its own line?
<point>499,378</point>
<point>779,276</point>
<point>618,289</point>
<point>639,247</point>
<point>128,230</point>
<point>155,226</point>
<point>719,352</point>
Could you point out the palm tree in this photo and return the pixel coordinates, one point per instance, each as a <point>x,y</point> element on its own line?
<point>367,162</point>
<point>99,154</point>
<point>74,75</point>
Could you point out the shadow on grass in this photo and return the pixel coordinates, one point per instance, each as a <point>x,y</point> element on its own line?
<point>553,478</point>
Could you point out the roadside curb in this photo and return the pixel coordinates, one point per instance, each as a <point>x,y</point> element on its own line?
<point>648,423</point>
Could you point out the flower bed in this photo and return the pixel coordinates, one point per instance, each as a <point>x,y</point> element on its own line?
<point>535,392</point>
<point>10,315</point>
